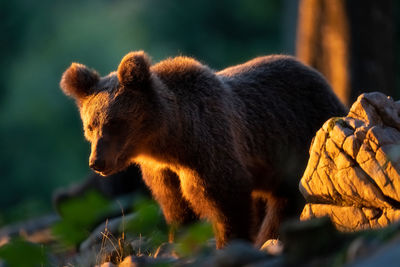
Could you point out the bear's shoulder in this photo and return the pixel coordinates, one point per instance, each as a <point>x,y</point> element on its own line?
<point>182,71</point>
<point>177,65</point>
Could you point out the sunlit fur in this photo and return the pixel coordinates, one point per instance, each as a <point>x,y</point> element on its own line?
<point>78,81</point>
<point>211,144</point>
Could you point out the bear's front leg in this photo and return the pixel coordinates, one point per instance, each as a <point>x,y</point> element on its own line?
<point>166,189</point>
<point>223,198</point>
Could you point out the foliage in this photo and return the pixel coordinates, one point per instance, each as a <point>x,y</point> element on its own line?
<point>148,221</point>
<point>20,253</point>
<point>79,216</point>
<point>194,238</point>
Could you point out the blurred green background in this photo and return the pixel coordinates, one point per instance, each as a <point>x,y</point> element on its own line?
<point>41,141</point>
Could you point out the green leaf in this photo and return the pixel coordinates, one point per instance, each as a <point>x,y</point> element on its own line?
<point>68,233</point>
<point>19,253</point>
<point>194,238</point>
<point>79,215</point>
<point>148,221</point>
<point>84,210</point>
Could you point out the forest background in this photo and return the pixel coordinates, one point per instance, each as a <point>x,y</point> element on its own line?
<point>41,141</point>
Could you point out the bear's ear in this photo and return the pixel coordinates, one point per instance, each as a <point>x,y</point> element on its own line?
<point>134,70</point>
<point>78,81</point>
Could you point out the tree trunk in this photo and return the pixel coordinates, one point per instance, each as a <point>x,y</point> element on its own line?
<point>351,42</point>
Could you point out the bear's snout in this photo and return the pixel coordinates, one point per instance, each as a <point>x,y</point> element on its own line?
<point>98,165</point>
<point>97,161</point>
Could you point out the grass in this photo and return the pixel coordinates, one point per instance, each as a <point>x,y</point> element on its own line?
<point>143,234</point>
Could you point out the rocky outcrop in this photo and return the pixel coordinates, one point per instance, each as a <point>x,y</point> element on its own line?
<point>353,174</point>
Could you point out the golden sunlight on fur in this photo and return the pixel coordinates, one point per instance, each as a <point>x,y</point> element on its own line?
<point>209,144</point>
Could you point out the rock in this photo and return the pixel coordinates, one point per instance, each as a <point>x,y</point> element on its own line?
<point>273,247</point>
<point>353,174</point>
<point>110,227</point>
<point>309,239</point>
<point>133,261</point>
<point>106,264</point>
<point>34,230</point>
<point>273,262</point>
<point>348,218</point>
<point>142,245</point>
<point>4,240</point>
<point>387,256</point>
<point>84,258</point>
<point>166,250</point>
<point>237,253</point>
<point>360,248</point>
<point>128,262</point>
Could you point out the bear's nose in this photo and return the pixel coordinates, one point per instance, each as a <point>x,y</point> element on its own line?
<point>97,165</point>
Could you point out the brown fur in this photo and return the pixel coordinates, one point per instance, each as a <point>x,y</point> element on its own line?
<point>209,144</point>
<point>78,81</point>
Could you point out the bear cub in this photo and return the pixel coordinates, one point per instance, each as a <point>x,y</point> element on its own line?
<point>229,146</point>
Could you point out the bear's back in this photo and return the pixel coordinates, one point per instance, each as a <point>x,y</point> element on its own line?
<point>278,100</point>
<point>283,102</point>
<point>287,97</point>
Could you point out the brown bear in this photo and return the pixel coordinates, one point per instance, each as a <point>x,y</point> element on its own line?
<point>209,144</point>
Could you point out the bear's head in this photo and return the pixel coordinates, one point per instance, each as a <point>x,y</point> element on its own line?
<point>118,111</point>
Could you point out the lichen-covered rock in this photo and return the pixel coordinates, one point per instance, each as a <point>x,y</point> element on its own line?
<point>353,174</point>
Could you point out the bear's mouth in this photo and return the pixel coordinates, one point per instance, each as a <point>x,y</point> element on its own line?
<point>103,172</point>
<point>119,165</point>
<point>106,173</point>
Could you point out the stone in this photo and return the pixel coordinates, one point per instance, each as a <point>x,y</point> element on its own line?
<point>237,253</point>
<point>109,227</point>
<point>106,264</point>
<point>360,248</point>
<point>141,245</point>
<point>273,262</point>
<point>166,250</point>
<point>273,247</point>
<point>309,239</point>
<point>134,261</point>
<point>353,174</point>
<point>387,256</point>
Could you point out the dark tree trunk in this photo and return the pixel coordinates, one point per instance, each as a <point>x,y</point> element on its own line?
<point>351,42</point>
